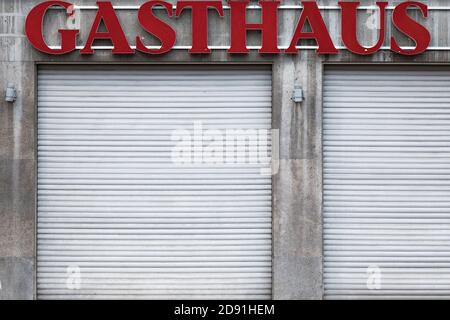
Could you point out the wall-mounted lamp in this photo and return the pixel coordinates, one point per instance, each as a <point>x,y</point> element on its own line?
<point>11,93</point>
<point>298,96</point>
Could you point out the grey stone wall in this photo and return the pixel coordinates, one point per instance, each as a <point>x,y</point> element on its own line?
<point>17,159</point>
<point>297,206</point>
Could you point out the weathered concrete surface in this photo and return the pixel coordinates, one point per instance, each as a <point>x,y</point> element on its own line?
<point>17,160</point>
<point>16,281</point>
<point>297,227</point>
<point>297,220</point>
<point>297,207</point>
<point>17,185</point>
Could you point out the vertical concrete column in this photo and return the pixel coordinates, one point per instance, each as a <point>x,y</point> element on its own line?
<point>297,264</point>
<point>17,161</point>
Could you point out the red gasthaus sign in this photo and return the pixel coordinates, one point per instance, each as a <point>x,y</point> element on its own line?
<point>310,15</point>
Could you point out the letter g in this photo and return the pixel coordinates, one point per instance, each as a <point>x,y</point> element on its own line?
<point>34,29</point>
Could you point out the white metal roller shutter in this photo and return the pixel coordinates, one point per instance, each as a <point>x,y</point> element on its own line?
<point>387,182</point>
<point>114,210</point>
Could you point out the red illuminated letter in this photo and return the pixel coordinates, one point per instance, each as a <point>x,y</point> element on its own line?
<point>199,19</point>
<point>156,27</point>
<point>107,15</point>
<point>33,29</point>
<point>411,28</point>
<point>311,13</point>
<point>349,31</point>
<point>268,27</point>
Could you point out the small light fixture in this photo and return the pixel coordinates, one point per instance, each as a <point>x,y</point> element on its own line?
<point>11,94</point>
<point>298,96</point>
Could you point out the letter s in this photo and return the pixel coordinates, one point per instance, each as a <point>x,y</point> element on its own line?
<point>411,28</point>
<point>156,27</point>
<point>33,29</point>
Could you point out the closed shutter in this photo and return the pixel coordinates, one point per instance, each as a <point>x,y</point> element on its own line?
<point>117,217</point>
<point>386,182</point>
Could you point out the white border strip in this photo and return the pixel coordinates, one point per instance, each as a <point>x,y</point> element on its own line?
<point>252,7</point>
<point>249,47</point>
